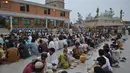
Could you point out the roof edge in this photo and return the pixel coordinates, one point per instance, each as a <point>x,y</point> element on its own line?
<point>39,4</point>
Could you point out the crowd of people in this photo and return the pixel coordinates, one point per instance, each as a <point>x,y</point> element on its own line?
<point>22,45</point>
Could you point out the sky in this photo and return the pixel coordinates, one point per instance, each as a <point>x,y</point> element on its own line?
<point>84,7</point>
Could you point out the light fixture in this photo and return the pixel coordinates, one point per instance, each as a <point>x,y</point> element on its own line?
<point>6,2</point>
<point>54,10</point>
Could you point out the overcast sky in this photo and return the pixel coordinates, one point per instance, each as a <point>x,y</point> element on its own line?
<point>89,6</point>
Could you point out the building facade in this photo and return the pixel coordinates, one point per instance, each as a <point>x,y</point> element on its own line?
<point>55,3</point>
<point>25,14</point>
<point>127,24</point>
<point>104,22</point>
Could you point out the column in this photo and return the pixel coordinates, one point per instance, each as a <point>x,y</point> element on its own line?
<point>54,23</point>
<point>46,23</point>
<point>11,23</point>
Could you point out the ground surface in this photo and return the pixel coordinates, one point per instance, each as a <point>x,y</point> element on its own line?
<point>18,67</point>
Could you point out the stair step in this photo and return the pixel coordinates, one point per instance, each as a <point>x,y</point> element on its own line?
<point>4,31</point>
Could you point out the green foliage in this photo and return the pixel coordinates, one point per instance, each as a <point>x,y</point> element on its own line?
<point>108,13</point>
<point>80,18</point>
<point>97,11</point>
<point>121,13</point>
<point>111,13</point>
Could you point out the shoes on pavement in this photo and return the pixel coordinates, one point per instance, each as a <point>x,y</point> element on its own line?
<point>116,66</point>
<point>124,58</point>
<point>122,61</point>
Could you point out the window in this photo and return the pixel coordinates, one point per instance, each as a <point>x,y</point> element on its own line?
<point>27,8</point>
<point>25,21</point>
<point>49,10</point>
<point>62,13</point>
<point>22,7</point>
<point>37,22</point>
<point>45,10</point>
<point>15,21</point>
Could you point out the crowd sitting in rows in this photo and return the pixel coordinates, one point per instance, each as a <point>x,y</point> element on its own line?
<point>109,56</point>
<point>24,45</point>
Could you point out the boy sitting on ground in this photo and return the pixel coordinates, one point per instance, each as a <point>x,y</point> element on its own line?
<point>64,61</point>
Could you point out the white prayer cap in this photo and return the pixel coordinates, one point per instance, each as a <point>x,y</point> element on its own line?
<point>38,65</point>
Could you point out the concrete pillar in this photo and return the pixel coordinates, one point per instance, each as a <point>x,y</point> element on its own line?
<point>54,23</point>
<point>46,23</point>
<point>11,23</point>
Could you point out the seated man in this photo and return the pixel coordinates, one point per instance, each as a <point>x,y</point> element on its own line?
<point>77,51</point>
<point>49,61</point>
<point>35,66</point>
<point>12,55</point>
<point>24,50</point>
<point>84,48</point>
<point>64,61</point>
<point>120,45</point>
<point>116,54</point>
<point>2,54</point>
<point>102,61</point>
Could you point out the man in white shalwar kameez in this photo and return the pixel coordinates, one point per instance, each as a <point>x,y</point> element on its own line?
<point>56,43</point>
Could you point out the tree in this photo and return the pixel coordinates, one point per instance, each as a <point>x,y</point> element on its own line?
<point>111,13</point>
<point>88,17</point>
<point>97,11</point>
<point>121,14</point>
<point>106,13</point>
<point>80,18</point>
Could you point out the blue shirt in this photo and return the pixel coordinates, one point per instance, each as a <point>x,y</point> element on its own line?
<point>1,41</point>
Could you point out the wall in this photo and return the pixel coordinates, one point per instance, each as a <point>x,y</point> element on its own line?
<point>91,23</point>
<point>37,10</point>
<point>56,3</point>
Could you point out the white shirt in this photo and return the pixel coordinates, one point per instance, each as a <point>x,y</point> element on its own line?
<point>70,32</point>
<point>56,44</point>
<point>116,54</point>
<point>107,64</point>
<point>51,45</point>
<point>49,60</point>
<point>30,38</point>
<point>45,40</point>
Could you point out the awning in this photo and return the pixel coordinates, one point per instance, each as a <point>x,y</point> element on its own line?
<point>15,14</point>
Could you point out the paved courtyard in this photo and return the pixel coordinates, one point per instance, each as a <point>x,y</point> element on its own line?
<point>18,67</point>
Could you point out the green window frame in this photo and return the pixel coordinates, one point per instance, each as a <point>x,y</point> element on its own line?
<point>45,10</point>
<point>26,21</point>
<point>62,13</point>
<point>37,22</point>
<point>15,21</point>
<point>22,7</point>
